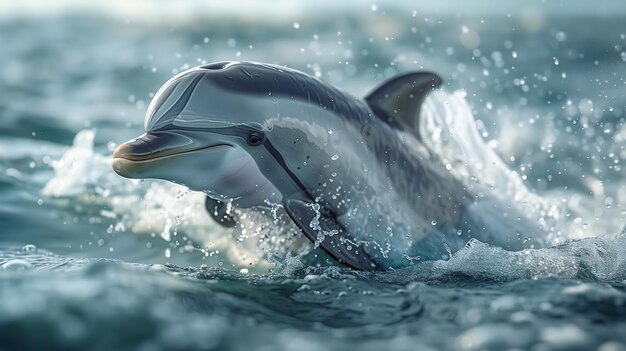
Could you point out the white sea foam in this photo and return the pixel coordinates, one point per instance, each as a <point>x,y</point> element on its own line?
<point>452,131</point>
<point>587,259</point>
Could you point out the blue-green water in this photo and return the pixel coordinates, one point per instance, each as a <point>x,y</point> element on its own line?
<point>89,260</point>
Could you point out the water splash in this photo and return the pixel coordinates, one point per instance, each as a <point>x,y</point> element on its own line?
<point>592,259</point>
<point>156,208</point>
<point>452,132</point>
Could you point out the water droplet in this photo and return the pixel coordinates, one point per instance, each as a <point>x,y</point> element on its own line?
<point>29,248</point>
<point>244,271</point>
<point>296,25</point>
<point>334,157</point>
<point>433,222</point>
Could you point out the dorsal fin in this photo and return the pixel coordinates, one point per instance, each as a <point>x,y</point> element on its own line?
<point>400,98</point>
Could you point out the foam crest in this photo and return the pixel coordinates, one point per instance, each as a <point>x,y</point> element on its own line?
<point>586,259</point>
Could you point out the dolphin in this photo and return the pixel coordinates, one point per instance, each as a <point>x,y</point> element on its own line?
<point>353,174</point>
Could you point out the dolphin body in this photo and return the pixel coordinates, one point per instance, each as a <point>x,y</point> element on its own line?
<point>353,174</point>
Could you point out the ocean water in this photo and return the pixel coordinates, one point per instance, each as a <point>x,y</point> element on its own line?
<point>533,108</point>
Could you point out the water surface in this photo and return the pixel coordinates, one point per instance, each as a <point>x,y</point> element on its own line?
<point>533,106</point>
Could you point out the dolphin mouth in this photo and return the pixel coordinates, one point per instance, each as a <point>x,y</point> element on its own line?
<point>136,158</point>
<point>154,146</point>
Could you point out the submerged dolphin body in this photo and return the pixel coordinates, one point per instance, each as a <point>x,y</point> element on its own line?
<point>352,174</point>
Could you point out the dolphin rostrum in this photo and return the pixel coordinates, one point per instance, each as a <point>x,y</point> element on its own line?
<point>353,174</point>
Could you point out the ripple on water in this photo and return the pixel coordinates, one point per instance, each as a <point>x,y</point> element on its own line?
<point>16,265</point>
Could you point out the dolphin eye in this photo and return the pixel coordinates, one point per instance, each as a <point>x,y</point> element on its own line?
<point>255,138</point>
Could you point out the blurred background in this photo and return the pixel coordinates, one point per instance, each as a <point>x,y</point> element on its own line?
<point>545,82</point>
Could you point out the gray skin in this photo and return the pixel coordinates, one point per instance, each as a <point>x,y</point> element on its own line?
<point>351,173</point>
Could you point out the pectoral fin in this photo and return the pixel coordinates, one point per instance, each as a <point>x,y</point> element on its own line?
<point>219,211</point>
<point>331,235</point>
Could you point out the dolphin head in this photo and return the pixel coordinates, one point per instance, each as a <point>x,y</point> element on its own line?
<point>200,135</point>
